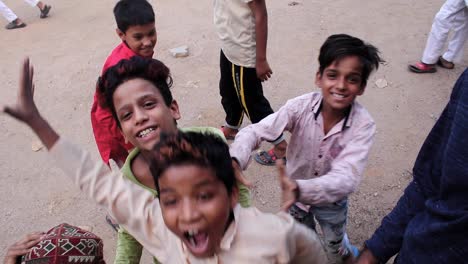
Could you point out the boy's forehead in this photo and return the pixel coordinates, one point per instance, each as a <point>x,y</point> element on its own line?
<point>141,28</point>
<point>353,61</point>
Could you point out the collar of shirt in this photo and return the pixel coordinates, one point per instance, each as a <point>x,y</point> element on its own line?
<point>347,121</point>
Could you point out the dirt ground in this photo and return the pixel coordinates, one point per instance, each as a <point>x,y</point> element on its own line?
<point>68,50</point>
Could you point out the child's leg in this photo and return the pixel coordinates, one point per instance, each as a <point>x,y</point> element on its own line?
<point>332,220</point>
<point>32,3</point>
<point>229,93</point>
<point>7,13</point>
<point>460,33</point>
<point>441,26</point>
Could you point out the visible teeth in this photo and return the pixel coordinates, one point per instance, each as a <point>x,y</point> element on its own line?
<point>145,132</point>
<point>339,95</point>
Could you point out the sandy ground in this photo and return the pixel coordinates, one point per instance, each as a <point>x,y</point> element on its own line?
<point>69,48</point>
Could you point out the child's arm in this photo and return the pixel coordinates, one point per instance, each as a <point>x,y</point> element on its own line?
<point>270,128</point>
<point>345,173</point>
<point>259,11</point>
<point>137,211</point>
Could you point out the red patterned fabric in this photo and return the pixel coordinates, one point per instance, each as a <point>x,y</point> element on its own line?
<point>67,244</point>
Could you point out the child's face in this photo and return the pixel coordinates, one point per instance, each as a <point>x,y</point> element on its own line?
<point>341,82</point>
<point>196,207</point>
<point>140,38</point>
<point>143,114</point>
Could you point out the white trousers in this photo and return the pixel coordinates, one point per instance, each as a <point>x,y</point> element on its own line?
<point>453,15</point>
<point>8,14</point>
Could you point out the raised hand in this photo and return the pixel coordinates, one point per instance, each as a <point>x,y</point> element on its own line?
<point>25,109</point>
<point>289,187</point>
<point>22,247</point>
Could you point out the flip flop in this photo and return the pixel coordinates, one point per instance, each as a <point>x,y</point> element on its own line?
<point>445,63</point>
<point>226,135</point>
<point>420,67</point>
<point>267,158</point>
<point>13,25</point>
<point>45,11</point>
<point>112,224</point>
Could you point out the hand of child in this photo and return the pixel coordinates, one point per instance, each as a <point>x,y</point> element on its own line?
<point>289,187</point>
<point>239,175</point>
<point>366,257</point>
<point>25,109</point>
<point>263,70</point>
<point>22,247</point>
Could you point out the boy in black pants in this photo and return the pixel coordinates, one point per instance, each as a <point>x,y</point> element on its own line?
<point>243,29</point>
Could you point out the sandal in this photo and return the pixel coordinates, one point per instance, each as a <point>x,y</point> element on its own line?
<point>45,11</point>
<point>266,158</point>
<point>112,224</point>
<point>421,67</point>
<point>13,25</point>
<point>226,134</point>
<point>445,63</point>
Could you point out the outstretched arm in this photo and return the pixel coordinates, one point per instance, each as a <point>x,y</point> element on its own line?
<point>25,109</point>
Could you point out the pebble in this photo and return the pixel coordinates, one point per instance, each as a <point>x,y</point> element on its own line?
<point>178,52</point>
<point>381,83</point>
<point>36,145</point>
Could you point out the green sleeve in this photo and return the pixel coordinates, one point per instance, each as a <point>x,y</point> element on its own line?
<point>244,195</point>
<point>128,250</point>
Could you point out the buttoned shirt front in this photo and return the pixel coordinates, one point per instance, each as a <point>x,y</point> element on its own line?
<point>327,167</point>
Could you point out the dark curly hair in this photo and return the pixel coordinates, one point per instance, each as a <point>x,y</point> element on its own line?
<point>202,149</point>
<point>339,46</point>
<point>151,70</point>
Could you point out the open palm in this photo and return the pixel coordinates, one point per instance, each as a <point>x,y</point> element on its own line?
<point>25,109</point>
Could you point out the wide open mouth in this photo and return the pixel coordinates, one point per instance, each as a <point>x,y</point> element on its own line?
<point>196,241</point>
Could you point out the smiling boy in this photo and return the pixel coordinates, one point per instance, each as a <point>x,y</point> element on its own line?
<point>331,135</point>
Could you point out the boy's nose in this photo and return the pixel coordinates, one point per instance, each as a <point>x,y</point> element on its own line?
<point>140,116</point>
<point>189,212</point>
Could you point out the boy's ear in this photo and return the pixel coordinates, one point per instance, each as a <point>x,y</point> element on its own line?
<point>125,138</point>
<point>318,78</point>
<point>174,107</point>
<point>363,88</point>
<point>120,34</point>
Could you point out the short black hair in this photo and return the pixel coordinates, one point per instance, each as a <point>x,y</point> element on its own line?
<point>206,150</point>
<point>129,13</point>
<point>151,70</point>
<point>339,46</point>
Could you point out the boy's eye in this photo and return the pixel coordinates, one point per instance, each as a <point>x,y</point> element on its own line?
<point>354,80</point>
<point>331,76</point>
<point>149,104</point>
<point>125,116</point>
<point>169,202</point>
<point>205,196</point>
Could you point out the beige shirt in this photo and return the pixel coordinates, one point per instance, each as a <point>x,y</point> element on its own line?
<point>253,237</point>
<point>235,25</point>
<point>327,167</point>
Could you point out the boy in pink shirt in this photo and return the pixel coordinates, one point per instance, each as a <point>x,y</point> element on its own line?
<point>331,135</point>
